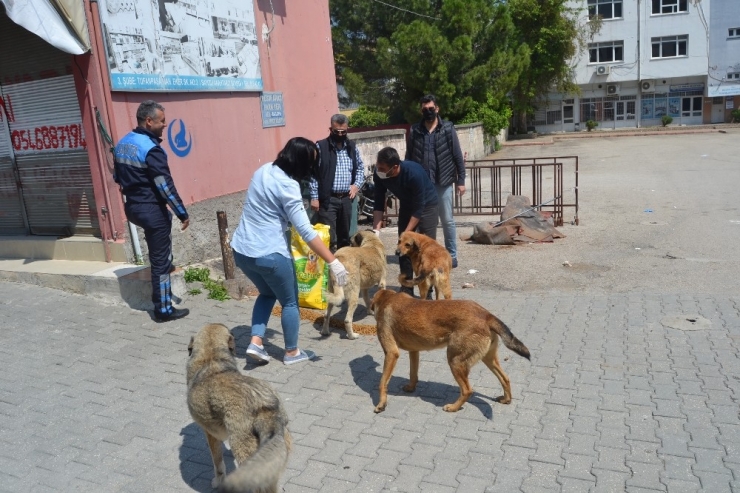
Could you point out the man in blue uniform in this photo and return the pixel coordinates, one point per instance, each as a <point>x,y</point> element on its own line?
<point>409,182</point>
<point>142,172</point>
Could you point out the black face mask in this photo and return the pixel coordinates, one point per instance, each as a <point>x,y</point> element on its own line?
<point>339,139</point>
<point>429,114</point>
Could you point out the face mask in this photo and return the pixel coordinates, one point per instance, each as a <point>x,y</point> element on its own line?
<point>429,114</point>
<point>338,138</point>
<point>383,175</point>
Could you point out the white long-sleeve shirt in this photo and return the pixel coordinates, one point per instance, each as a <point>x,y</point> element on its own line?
<point>273,200</point>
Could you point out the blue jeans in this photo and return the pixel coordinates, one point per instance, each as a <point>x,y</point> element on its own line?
<point>444,205</point>
<point>274,277</point>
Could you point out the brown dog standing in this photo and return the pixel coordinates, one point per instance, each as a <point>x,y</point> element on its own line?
<point>431,261</point>
<point>366,267</point>
<point>468,330</point>
<point>244,410</point>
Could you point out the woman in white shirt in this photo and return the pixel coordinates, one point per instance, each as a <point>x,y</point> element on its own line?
<point>261,248</point>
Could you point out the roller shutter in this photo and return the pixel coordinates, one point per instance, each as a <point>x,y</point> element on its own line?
<point>43,152</point>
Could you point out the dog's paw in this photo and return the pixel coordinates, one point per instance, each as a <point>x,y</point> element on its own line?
<point>451,408</point>
<point>216,481</point>
<point>408,387</point>
<point>503,399</point>
<point>352,335</point>
<point>379,409</point>
<point>325,332</point>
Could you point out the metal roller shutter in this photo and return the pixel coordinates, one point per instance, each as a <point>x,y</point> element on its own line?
<point>49,152</point>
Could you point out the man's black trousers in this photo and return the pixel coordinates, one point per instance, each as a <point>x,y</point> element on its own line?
<point>337,214</point>
<point>156,221</point>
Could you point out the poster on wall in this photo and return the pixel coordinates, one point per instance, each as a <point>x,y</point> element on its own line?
<point>181,45</point>
<point>647,108</point>
<point>661,107</point>
<point>674,107</point>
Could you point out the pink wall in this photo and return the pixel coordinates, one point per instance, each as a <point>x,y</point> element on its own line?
<point>228,141</point>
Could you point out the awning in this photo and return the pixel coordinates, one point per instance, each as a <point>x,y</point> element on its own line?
<point>61,23</point>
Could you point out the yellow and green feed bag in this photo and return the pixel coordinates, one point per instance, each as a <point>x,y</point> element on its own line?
<point>312,273</point>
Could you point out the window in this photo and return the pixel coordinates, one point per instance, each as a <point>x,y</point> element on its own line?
<point>670,46</point>
<point>606,52</point>
<point>691,106</point>
<point>733,76</point>
<point>606,9</point>
<point>734,32</point>
<point>554,117</point>
<point>670,6</point>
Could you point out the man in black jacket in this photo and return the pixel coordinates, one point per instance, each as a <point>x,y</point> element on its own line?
<point>142,172</point>
<point>434,144</point>
<point>339,177</point>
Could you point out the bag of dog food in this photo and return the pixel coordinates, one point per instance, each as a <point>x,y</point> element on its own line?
<point>312,273</point>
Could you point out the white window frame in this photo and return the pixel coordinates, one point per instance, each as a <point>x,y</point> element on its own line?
<point>669,39</point>
<point>667,7</point>
<point>595,4</point>
<point>607,44</point>
<point>733,76</point>
<point>733,33</point>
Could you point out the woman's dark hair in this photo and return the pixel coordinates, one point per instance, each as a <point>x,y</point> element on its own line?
<point>299,158</point>
<point>389,156</point>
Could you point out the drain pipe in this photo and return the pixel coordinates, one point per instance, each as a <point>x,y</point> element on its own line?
<point>95,18</point>
<point>135,240</point>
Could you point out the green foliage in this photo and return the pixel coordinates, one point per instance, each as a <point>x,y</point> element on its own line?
<point>551,31</point>
<point>494,115</point>
<point>735,115</point>
<point>590,125</point>
<point>666,120</point>
<point>464,51</point>
<point>193,274</point>
<point>194,291</point>
<point>216,289</point>
<point>367,116</point>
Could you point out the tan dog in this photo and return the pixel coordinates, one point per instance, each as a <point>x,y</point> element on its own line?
<point>241,409</point>
<point>468,330</point>
<point>431,262</point>
<point>366,268</point>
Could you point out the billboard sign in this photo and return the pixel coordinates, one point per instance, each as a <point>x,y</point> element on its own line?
<point>182,45</point>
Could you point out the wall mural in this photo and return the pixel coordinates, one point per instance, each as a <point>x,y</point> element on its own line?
<point>181,45</point>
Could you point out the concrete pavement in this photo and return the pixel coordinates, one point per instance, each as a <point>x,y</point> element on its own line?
<point>92,398</point>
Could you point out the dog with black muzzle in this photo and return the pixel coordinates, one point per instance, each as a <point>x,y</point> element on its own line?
<point>243,410</point>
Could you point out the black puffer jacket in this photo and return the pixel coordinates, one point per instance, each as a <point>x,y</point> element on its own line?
<point>450,163</point>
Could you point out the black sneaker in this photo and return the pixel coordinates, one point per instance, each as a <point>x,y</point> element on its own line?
<point>454,263</point>
<point>176,314</point>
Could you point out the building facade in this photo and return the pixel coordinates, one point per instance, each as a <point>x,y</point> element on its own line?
<point>650,58</point>
<point>263,73</point>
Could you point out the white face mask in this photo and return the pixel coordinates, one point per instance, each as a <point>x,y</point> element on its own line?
<point>383,174</point>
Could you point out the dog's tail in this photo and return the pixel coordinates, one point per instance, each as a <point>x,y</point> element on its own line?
<point>334,294</point>
<point>410,283</point>
<point>509,339</point>
<point>261,472</point>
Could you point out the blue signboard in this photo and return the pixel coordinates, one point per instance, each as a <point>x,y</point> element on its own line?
<point>273,111</point>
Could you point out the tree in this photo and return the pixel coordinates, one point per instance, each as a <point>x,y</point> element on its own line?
<point>551,31</point>
<point>466,52</point>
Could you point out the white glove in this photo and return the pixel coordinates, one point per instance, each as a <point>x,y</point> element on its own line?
<point>339,272</point>
<point>377,232</point>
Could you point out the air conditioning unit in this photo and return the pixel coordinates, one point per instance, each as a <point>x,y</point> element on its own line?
<point>647,86</point>
<point>612,89</point>
<point>602,70</point>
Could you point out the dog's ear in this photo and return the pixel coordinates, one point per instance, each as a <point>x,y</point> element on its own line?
<point>190,346</point>
<point>232,345</point>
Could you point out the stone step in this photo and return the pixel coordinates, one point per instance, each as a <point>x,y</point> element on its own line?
<point>73,248</point>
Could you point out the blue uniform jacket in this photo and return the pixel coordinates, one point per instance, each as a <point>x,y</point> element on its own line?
<point>142,172</point>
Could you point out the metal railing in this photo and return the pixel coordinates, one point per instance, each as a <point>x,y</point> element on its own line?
<point>549,180</point>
